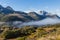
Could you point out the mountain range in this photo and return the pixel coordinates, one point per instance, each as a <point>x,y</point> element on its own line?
<point>11,15</point>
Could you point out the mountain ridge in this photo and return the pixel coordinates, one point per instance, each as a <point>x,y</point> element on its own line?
<point>23,16</point>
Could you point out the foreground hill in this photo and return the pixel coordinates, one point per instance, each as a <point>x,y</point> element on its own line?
<point>47,32</point>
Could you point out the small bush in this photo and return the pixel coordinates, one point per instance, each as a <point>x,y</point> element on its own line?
<point>7,34</point>
<point>21,38</point>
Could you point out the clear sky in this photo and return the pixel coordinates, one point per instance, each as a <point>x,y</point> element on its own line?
<point>33,5</point>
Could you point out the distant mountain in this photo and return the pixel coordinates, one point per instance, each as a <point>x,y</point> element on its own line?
<point>1,7</point>
<point>43,13</point>
<point>6,10</point>
<point>8,14</point>
<point>36,16</point>
<point>8,7</point>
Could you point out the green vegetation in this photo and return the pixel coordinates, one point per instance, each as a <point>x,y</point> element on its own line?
<point>49,32</point>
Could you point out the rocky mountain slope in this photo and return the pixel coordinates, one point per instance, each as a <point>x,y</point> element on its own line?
<point>8,15</point>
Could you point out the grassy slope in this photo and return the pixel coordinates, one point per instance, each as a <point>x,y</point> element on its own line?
<point>49,32</point>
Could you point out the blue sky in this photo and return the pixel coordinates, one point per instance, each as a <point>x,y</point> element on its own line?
<point>33,5</point>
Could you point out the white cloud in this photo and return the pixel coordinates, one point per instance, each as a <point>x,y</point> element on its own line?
<point>57,11</point>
